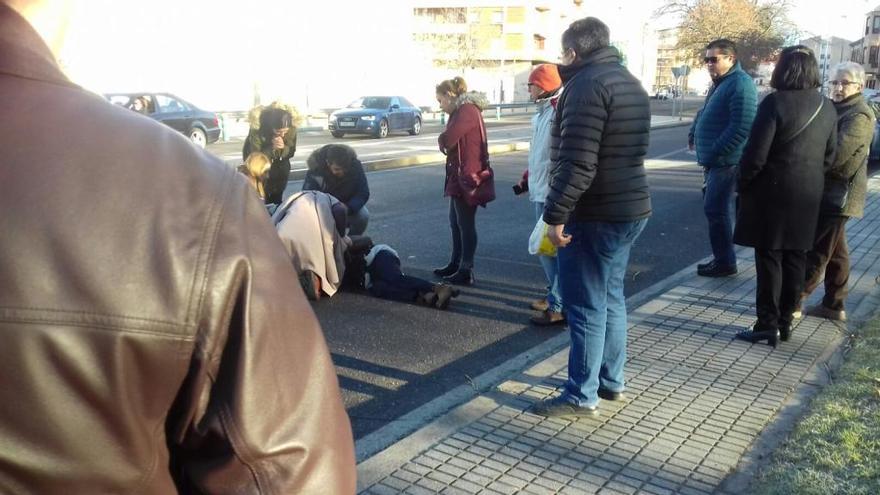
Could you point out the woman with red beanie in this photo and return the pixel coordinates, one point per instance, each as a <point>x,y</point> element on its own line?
<point>469,179</point>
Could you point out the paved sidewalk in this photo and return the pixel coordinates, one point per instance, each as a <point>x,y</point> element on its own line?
<point>697,401</point>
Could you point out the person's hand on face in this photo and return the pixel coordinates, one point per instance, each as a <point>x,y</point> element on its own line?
<point>278,140</point>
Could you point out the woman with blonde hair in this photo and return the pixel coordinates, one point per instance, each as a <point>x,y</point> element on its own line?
<point>256,169</point>
<point>469,179</point>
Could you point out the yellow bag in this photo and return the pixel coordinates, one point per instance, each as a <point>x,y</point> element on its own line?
<point>539,242</point>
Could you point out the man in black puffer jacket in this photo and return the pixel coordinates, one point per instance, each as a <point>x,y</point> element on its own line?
<point>597,206</point>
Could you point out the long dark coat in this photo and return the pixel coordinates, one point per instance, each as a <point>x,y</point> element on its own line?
<point>780,183</point>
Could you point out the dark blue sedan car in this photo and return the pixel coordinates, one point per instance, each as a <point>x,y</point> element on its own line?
<point>377,116</point>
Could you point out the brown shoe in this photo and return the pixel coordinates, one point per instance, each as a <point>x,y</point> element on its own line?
<point>821,311</point>
<point>548,318</point>
<point>540,305</point>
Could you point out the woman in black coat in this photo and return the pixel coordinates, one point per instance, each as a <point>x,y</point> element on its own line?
<point>781,177</point>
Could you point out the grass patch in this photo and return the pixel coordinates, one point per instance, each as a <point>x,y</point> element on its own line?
<point>835,448</point>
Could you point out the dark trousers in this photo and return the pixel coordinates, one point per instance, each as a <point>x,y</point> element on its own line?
<point>780,282</point>
<point>831,254</point>
<point>462,221</point>
<point>276,182</point>
<point>388,282</point>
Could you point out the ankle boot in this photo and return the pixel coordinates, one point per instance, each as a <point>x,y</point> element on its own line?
<point>755,336</point>
<point>785,332</point>
<point>464,276</point>
<point>447,270</point>
<point>443,294</point>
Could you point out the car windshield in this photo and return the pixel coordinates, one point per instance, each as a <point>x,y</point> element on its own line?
<point>371,102</point>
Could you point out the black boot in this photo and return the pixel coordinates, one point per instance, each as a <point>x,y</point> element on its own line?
<point>427,298</point>
<point>447,270</point>
<point>785,332</point>
<point>755,336</point>
<point>464,276</point>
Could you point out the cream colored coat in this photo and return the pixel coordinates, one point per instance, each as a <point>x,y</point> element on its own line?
<point>307,229</point>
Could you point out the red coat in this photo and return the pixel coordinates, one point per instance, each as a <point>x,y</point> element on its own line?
<point>463,142</point>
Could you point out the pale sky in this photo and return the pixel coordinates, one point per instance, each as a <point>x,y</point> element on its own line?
<point>320,53</point>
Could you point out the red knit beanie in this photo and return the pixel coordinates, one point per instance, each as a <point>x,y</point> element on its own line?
<point>546,77</point>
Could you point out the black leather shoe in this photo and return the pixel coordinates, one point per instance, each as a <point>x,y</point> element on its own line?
<point>446,270</point>
<point>771,336</point>
<point>464,276</point>
<point>606,394</point>
<point>716,270</point>
<point>784,332</point>
<point>703,266</point>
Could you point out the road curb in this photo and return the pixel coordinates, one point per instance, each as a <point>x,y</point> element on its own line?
<point>427,158</point>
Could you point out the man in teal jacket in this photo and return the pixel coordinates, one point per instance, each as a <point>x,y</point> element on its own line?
<point>719,134</point>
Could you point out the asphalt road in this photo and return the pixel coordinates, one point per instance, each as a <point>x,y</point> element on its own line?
<point>394,357</point>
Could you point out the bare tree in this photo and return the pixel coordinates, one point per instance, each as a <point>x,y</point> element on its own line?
<point>454,42</point>
<point>759,28</point>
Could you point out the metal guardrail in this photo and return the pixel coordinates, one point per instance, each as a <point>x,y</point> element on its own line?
<point>234,122</point>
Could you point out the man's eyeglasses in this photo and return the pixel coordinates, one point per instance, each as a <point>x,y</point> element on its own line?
<point>711,60</point>
<point>844,84</point>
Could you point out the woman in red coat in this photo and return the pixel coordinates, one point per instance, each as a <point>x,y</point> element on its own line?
<point>469,180</point>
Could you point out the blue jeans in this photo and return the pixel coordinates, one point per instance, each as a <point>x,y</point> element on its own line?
<point>591,272</point>
<point>551,270</point>
<point>720,183</point>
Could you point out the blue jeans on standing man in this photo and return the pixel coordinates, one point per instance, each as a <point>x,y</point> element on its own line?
<point>720,185</point>
<point>551,270</point>
<point>591,272</point>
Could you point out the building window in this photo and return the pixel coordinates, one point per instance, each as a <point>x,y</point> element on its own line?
<point>872,57</point>
<point>498,16</point>
<point>443,15</point>
<point>876,28</point>
<point>539,42</point>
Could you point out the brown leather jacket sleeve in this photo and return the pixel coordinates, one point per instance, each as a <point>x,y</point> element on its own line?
<point>260,410</point>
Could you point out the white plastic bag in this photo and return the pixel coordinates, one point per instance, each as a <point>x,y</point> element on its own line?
<point>539,243</point>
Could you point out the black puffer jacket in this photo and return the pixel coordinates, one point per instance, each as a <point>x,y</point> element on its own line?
<point>598,144</point>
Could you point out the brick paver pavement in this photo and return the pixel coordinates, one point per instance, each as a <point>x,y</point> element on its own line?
<point>696,400</point>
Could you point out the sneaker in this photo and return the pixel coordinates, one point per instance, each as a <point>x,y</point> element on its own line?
<point>822,311</point>
<point>548,318</point>
<point>443,293</point>
<point>716,270</point>
<point>560,407</point>
<point>606,394</point>
<point>540,305</point>
<point>703,266</point>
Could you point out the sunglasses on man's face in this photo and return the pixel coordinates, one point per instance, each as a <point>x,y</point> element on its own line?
<point>711,60</point>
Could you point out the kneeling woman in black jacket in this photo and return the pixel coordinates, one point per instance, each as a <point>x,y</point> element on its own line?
<point>781,178</point>
<point>335,169</point>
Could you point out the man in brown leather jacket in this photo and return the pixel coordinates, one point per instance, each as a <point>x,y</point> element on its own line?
<point>153,336</point>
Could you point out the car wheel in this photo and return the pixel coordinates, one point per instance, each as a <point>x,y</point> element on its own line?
<point>416,128</point>
<point>198,137</point>
<point>383,129</point>
<point>337,134</point>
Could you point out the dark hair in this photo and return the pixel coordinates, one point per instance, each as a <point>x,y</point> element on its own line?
<point>796,69</point>
<point>339,154</point>
<point>272,119</point>
<point>452,87</point>
<point>585,36</point>
<point>725,46</point>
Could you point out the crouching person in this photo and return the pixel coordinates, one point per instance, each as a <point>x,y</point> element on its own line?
<point>311,225</point>
<point>384,279</point>
<point>335,169</point>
